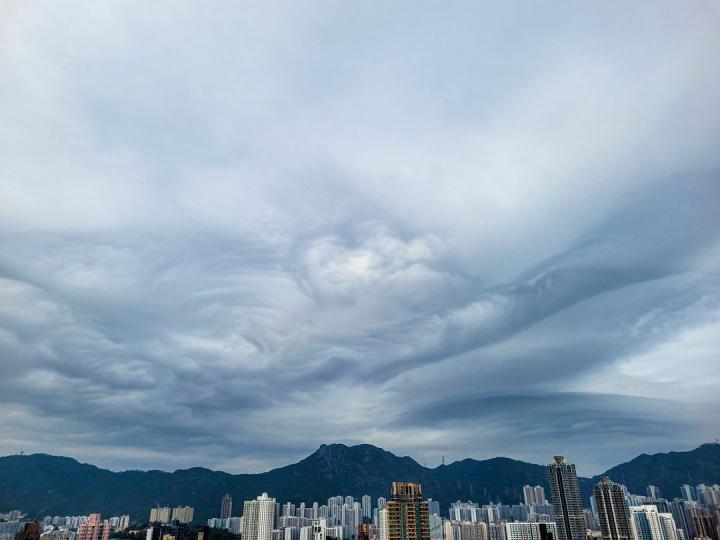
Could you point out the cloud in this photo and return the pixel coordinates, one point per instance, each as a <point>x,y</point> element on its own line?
<point>463,232</point>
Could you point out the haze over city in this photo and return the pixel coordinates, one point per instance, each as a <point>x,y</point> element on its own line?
<point>230,234</point>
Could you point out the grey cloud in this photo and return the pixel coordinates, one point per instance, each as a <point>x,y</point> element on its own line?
<point>218,228</point>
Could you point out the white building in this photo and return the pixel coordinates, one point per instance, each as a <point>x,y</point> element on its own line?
<point>528,531</point>
<point>366,506</point>
<point>258,518</point>
<point>319,529</point>
<point>649,524</point>
<point>382,524</point>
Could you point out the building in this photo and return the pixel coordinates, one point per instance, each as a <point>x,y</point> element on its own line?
<point>160,514</point>
<point>688,493</point>
<point>496,531</point>
<point>534,495</point>
<point>567,505</point>
<point>530,531</point>
<point>123,523</point>
<point>708,495</point>
<point>465,511</point>
<point>705,526</point>
<point>383,524</point>
<point>653,492</point>
<point>363,532</point>
<point>667,523</point>
<point>649,524</point>
<point>476,530</point>
<point>407,513</point>
<point>58,534</point>
<point>30,531</point>
<point>612,510</point>
<point>366,507</point>
<point>540,498</point>
<point>226,507</point>
<point>183,514</point>
<point>436,527</point>
<point>258,518</point>
<point>94,528</point>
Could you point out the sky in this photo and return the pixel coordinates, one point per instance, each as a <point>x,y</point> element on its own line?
<point>232,232</point>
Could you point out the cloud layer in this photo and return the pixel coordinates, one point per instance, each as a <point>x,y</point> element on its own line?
<point>228,236</point>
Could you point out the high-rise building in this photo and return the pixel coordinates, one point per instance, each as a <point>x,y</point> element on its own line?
<point>649,524</point>
<point>123,522</point>
<point>160,514</point>
<point>567,504</point>
<point>653,492</point>
<point>94,528</point>
<point>612,510</point>
<point>496,531</point>
<point>704,525</point>
<point>183,514</point>
<point>436,527</point>
<point>407,513</point>
<point>540,498</point>
<point>688,492</point>
<point>258,518</point>
<point>708,495</point>
<point>668,526</point>
<point>534,495</point>
<point>529,495</point>
<point>591,523</point>
<point>363,532</point>
<point>366,507</point>
<point>226,507</point>
<point>530,531</point>
<point>383,524</point>
<point>472,531</point>
<point>465,511</point>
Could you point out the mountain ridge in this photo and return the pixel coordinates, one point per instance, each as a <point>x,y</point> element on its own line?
<point>43,484</point>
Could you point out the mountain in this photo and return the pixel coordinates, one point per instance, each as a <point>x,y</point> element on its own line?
<point>670,471</point>
<point>48,485</point>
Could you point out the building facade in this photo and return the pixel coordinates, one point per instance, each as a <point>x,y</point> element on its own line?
<point>567,504</point>
<point>183,514</point>
<point>530,531</point>
<point>258,518</point>
<point>160,514</point>
<point>94,528</point>
<point>407,513</point>
<point>226,507</point>
<point>612,510</point>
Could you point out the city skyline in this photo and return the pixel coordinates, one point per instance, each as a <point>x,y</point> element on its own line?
<point>615,514</point>
<point>231,235</point>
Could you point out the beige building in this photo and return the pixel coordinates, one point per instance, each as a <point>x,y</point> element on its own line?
<point>160,514</point>
<point>183,514</point>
